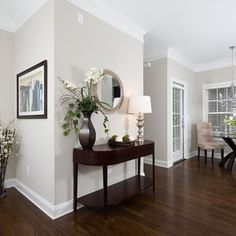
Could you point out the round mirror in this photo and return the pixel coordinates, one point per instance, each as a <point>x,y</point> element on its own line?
<point>109,91</point>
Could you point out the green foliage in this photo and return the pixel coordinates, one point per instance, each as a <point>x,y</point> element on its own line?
<point>126,139</point>
<point>230,120</point>
<point>113,138</point>
<point>77,101</point>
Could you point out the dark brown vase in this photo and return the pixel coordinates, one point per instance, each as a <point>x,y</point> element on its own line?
<point>3,192</point>
<point>87,134</point>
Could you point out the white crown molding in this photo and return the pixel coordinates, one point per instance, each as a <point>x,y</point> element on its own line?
<point>29,11</point>
<point>12,25</point>
<point>7,24</point>
<point>181,59</point>
<point>110,17</point>
<point>160,53</point>
<point>155,54</point>
<point>213,65</point>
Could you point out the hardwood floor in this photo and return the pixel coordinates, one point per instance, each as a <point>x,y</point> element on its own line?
<point>191,199</point>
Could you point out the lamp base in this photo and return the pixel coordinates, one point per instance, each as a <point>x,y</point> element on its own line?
<point>140,125</point>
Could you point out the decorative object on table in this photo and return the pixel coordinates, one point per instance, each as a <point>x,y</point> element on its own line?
<point>109,91</point>
<point>126,140</point>
<point>7,144</point>
<point>140,105</point>
<point>81,101</point>
<point>231,101</point>
<point>32,92</point>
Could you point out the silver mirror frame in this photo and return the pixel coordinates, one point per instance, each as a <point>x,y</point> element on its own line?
<point>114,75</point>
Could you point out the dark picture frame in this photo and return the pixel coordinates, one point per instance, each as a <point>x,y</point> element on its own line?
<point>32,92</point>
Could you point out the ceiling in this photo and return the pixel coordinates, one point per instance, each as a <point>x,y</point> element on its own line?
<point>199,30</point>
<point>14,13</point>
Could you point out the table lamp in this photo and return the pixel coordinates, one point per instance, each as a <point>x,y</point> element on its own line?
<point>140,105</point>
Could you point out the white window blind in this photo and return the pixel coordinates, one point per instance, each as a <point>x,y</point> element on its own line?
<point>177,111</point>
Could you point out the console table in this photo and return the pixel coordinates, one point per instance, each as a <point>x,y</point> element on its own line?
<point>104,155</point>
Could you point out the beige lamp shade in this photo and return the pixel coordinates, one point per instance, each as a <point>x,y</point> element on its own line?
<point>140,104</point>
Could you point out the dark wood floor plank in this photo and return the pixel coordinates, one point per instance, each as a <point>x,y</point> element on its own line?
<point>191,199</point>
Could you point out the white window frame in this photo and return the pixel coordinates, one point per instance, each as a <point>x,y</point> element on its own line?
<point>205,88</point>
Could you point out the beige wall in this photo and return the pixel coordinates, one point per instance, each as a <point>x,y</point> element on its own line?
<point>175,70</point>
<point>210,77</point>
<point>7,87</point>
<point>34,42</point>
<point>77,48</point>
<point>155,85</point>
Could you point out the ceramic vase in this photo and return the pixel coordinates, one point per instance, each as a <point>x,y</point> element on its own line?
<point>2,179</point>
<point>87,134</point>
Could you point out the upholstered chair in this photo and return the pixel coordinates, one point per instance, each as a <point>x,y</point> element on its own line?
<point>206,141</point>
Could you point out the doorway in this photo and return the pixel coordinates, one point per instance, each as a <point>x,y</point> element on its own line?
<point>178,116</point>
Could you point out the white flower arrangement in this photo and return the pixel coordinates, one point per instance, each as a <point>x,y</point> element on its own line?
<point>68,85</point>
<point>94,76</point>
<point>82,99</point>
<point>7,142</point>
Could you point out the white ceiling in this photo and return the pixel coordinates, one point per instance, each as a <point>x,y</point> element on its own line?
<point>199,30</point>
<point>14,13</point>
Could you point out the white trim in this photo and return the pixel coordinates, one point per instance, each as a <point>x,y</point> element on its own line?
<point>205,87</point>
<point>36,199</point>
<point>181,59</point>
<point>155,54</point>
<point>192,154</point>
<point>169,164</point>
<point>170,111</point>
<point>160,163</point>
<point>213,65</point>
<point>94,8</point>
<point>7,24</point>
<point>29,10</point>
<point>159,53</point>
<point>10,183</point>
<point>53,211</point>
<point>110,17</point>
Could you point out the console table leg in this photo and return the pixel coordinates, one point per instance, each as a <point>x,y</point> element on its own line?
<point>153,172</point>
<point>75,185</point>
<point>139,167</point>
<point>105,189</point>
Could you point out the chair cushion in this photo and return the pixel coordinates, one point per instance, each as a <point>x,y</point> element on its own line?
<point>211,145</point>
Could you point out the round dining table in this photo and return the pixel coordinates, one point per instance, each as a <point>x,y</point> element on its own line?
<point>229,158</point>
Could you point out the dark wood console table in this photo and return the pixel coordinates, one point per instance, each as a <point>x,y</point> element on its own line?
<point>104,155</point>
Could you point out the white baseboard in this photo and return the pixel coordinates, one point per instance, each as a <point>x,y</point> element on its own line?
<point>192,154</point>
<point>166,164</point>
<point>9,183</point>
<point>53,211</point>
<point>160,163</point>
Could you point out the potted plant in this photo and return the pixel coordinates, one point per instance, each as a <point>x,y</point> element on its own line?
<point>81,103</point>
<point>7,144</point>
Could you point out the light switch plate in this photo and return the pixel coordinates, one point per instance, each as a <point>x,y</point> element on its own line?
<point>80,18</point>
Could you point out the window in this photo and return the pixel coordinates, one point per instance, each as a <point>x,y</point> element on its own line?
<point>215,112</point>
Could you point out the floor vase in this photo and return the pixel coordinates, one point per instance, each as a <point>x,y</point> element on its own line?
<point>2,179</point>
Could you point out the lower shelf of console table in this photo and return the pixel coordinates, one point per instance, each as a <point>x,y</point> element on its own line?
<point>117,192</point>
<point>104,155</point>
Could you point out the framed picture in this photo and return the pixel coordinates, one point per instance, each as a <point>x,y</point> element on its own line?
<point>32,92</point>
